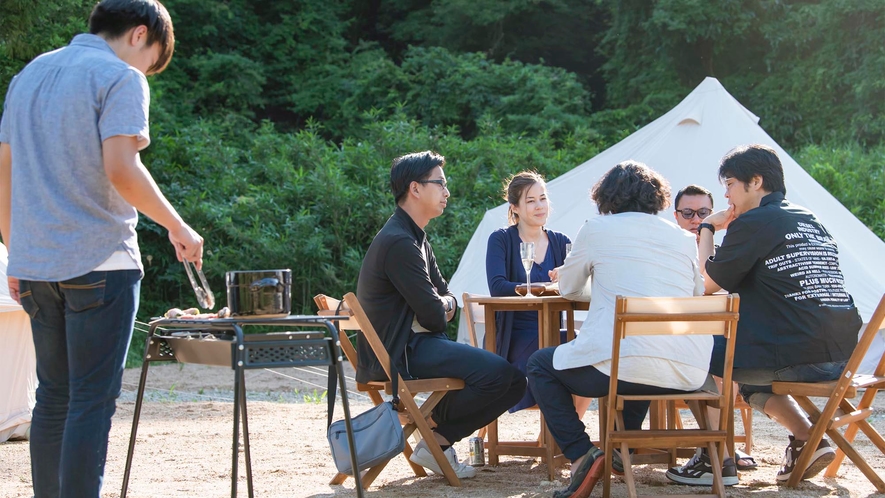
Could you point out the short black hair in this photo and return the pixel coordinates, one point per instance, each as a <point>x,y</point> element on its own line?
<point>631,187</point>
<point>692,190</point>
<point>746,161</point>
<point>113,18</point>
<point>412,168</point>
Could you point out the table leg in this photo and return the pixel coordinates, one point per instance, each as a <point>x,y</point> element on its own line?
<point>491,345</point>
<point>547,319</point>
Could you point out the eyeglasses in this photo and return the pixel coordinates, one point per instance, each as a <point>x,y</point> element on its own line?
<point>442,183</point>
<point>689,213</point>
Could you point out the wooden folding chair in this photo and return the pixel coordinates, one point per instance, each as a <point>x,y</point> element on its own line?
<point>474,314</point>
<point>639,316</point>
<point>412,416</point>
<point>838,411</point>
<point>741,406</point>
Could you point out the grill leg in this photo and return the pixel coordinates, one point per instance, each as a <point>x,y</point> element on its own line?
<point>246,433</point>
<point>135,416</point>
<point>238,392</point>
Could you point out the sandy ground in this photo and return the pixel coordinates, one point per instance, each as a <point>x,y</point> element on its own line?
<point>184,447</point>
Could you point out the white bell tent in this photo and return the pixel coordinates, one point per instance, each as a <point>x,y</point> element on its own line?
<point>18,367</point>
<point>685,146</point>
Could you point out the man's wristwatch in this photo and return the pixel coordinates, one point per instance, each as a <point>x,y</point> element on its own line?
<point>707,226</point>
<point>448,307</point>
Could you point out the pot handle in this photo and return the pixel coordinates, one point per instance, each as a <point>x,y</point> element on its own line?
<point>264,282</point>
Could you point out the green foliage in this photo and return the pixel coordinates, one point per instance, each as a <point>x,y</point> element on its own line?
<point>29,28</point>
<point>813,70</point>
<point>826,65</point>
<point>854,176</point>
<point>281,200</point>
<point>274,126</point>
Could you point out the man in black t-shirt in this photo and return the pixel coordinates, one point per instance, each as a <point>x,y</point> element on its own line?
<point>798,323</point>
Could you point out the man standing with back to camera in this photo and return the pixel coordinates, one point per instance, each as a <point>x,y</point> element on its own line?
<point>71,180</point>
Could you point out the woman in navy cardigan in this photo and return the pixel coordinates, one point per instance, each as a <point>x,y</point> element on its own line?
<point>517,331</point>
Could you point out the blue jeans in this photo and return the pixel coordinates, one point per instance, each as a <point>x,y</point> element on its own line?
<point>81,330</point>
<point>555,389</point>
<point>755,383</point>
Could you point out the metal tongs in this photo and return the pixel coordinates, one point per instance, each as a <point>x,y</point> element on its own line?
<point>205,297</point>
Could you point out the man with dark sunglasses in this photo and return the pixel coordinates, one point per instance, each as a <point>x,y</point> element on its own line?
<point>693,203</point>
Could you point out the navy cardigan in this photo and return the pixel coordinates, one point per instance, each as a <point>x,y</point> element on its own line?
<point>504,272</point>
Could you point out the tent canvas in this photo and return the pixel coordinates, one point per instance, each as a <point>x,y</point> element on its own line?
<point>18,367</point>
<point>685,145</point>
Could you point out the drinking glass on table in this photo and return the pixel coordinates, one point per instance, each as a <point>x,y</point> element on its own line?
<point>527,254</point>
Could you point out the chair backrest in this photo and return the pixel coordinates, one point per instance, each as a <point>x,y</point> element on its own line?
<point>368,331</point>
<point>699,315</point>
<point>870,330</point>
<point>330,306</point>
<point>474,313</point>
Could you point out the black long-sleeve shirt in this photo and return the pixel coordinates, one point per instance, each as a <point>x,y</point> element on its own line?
<point>399,283</point>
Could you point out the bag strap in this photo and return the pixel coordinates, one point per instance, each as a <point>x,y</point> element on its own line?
<point>332,386</point>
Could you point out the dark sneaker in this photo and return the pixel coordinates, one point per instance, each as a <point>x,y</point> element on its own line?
<point>617,464</point>
<point>822,457</point>
<point>585,476</point>
<point>698,471</point>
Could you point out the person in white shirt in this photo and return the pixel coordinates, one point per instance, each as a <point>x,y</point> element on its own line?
<point>627,251</point>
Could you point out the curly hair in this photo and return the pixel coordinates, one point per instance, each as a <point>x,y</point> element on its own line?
<point>631,187</point>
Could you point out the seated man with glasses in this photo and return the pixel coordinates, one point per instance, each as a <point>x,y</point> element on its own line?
<point>693,203</point>
<point>409,303</point>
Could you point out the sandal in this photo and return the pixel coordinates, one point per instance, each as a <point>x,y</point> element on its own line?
<point>585,477</point>
<point>744,461</point>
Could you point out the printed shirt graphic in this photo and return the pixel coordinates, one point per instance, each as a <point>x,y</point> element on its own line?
<point>794,306</point>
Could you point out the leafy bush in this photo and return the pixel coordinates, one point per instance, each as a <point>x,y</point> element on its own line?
<point>854,176</point>
<point>267,199</point>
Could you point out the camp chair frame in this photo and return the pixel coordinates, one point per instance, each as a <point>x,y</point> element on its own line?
<point>639,316</point>
<point>746,412</point>
<point>838,411</point>
<point>411,415</point>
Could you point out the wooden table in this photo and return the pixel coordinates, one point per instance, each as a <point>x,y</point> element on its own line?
<point>549,310</point>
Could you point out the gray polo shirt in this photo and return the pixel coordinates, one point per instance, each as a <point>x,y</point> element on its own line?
<point>67,218</point>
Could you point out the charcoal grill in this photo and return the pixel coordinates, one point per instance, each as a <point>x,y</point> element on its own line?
<point>221,342</point>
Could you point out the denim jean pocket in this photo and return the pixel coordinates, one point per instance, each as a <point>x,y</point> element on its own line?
<point>811,372</point>
<point>85,292</point>
<point>27,299</point>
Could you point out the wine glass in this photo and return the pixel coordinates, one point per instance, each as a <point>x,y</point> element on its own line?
<point>527,254</point>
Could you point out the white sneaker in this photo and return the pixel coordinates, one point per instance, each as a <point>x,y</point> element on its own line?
<point>423,457</point>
